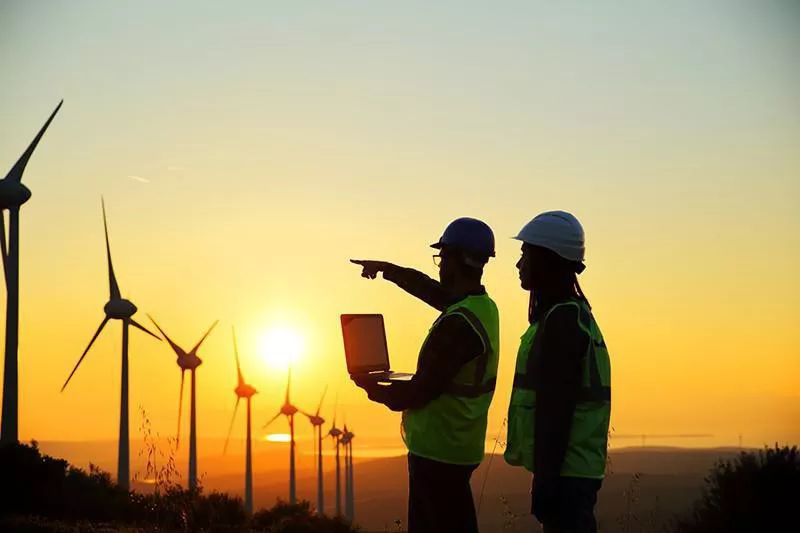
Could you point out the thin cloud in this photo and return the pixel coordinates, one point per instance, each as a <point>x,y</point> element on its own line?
<point>139,179</point>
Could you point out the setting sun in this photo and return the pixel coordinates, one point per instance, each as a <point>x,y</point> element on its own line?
<point>281,346</point>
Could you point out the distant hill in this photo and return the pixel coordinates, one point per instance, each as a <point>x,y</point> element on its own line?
<point>651,484</point>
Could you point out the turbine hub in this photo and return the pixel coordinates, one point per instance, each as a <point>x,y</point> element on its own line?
<point>189,361</point>
<point>13,193</point>
<point>288,409</point>
<point>120,309</point>
<point>245,391</point>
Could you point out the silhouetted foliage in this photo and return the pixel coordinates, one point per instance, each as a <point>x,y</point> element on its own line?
<point>36,484</point>
<point>41,494</point>
<point>754,492</point>
<point>297,518</point>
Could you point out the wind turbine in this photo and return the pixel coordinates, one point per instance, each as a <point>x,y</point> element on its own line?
<point>317,422</point>
<point>336,434</point>
<point>243,390</point>
<point>188,361</point>
<point>117,308</point>
<point>13,193</point>
<point>349,504</point>
<point>288,410</point>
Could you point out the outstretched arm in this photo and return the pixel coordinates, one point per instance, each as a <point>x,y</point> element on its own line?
<point>412,281</point>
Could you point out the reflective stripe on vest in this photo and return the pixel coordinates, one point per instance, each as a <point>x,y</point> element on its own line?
<point>452,428</point>
<point>480,385</point>
<point>587,449</point>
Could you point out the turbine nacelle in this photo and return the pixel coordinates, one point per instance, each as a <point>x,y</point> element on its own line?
<point>120,309</point>
<point>288,409</point>
<point>316,420</point>
<point>335,433</point>
<point>189,361</point>
<point>245,391</point>
<point>13,194</point>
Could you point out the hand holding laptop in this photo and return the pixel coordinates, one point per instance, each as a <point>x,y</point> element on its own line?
<point>366,351</point>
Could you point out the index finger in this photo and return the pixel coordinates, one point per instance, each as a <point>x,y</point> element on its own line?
<point>358,261</point>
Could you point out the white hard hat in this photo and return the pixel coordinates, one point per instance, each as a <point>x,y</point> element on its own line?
<point>558,231</point>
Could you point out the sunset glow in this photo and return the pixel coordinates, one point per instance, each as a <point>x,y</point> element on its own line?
<point>278,437</point>
<point>280,347</point>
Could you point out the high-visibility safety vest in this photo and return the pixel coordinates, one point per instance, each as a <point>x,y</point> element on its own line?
<point>588,440</point>
<point>452,428</point>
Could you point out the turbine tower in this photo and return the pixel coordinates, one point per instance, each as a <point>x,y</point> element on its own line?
<point>117,308</point>
<point>336,434</point>
<point>188,361</point>
<point>288,410</point>
<point>243,390</point>
<point>317,422</point>
<point>347,442</point>
<point>13,193</point>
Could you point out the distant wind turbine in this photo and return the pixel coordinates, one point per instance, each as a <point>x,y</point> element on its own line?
<point>317,422</point>
<point>288,410</point>
<point>14,193</point>
<point>117,308</point>
<point>645,436</point>
<point>243,390</point>
<point>188,361</point>
<point>349,494</point>
<point>336,434</point>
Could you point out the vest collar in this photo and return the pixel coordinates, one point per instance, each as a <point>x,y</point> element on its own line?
<point>480,291</point>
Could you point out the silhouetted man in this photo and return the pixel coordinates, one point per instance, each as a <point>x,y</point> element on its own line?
<point>445,404</point>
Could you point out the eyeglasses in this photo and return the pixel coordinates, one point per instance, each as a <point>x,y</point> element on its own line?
<point>437,259</point>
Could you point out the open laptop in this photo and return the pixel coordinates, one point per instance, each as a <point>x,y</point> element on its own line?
<point>365,348</point>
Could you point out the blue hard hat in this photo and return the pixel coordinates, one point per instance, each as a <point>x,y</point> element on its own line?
<point>470,235</point>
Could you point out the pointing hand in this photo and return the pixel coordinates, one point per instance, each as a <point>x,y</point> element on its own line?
<point>370,268</point>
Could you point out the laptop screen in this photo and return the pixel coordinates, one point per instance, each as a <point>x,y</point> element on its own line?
<point>365,343</point>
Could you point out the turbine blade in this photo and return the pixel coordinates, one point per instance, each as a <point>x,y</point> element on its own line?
<point>180,411</point>
<point>175,348</point>
<point>96,334</point>
<point>319,407</point>
<point>230,428</point>
<point>335,409</point>
<point>141,327</point>
<point>236,354</point>
<point>3,244</point>
<point>288,386</point>
<point>19,167</point>
<point>308,415</point>
<point>113,287</point>
<point>271,420</point>
<point>197,346</point>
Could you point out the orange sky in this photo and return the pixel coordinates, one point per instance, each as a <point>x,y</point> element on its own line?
<point>247,153</point>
